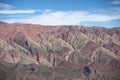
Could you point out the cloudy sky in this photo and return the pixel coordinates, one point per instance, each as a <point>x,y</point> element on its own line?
<point>105,13</point>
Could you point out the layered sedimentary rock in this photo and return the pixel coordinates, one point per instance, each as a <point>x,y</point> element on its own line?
<point>61,47</point>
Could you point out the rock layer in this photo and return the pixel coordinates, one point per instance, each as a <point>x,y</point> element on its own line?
<point>60,46</point>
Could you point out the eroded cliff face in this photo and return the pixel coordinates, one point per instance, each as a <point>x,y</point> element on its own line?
<point>61,47</point>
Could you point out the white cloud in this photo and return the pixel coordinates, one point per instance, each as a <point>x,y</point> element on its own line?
<point>66,18</point>
<point>116,7</point>
<point>5,6</point>
<point>8,9</point>
<point>116,10</point>
<point>16,11</point>
<point>117,2</point>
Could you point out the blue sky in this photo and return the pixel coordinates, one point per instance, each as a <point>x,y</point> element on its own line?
<point>104,13</point>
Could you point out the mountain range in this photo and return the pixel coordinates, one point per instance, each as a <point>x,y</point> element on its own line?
<point>45,52</point>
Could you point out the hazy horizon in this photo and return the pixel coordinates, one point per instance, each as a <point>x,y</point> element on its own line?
<point>103,13</point>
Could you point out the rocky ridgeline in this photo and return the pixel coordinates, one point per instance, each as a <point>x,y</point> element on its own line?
<point>62,47</point>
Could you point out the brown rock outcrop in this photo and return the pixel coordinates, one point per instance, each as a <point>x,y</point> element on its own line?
<point>60,46</point>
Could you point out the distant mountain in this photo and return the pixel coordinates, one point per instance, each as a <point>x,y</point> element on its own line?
<point>39,52</point>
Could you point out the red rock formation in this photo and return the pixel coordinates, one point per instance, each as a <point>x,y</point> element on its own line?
<point>61,47</point>
<point>35,41</point>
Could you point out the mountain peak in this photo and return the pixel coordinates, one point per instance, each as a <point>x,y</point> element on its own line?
<point>61,47</point>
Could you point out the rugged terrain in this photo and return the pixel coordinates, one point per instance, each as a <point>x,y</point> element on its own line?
<point>39,52</point>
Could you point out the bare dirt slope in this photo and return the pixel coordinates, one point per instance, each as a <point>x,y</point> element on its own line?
<point>37,52</point>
